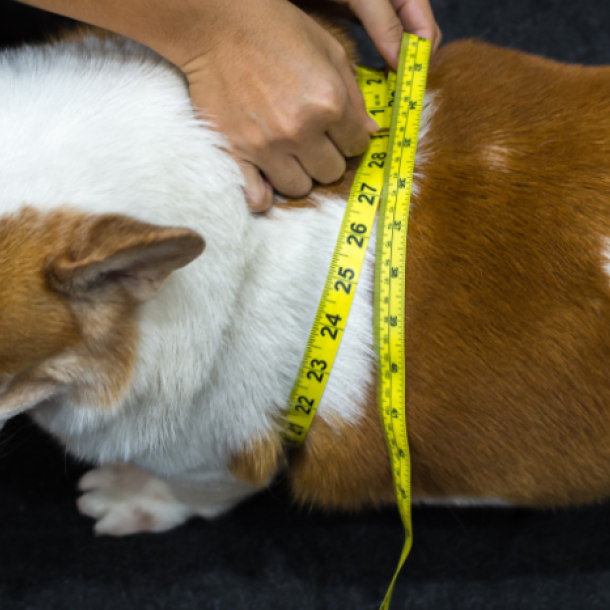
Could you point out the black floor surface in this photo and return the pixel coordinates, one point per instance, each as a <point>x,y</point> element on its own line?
<point>267,554</point>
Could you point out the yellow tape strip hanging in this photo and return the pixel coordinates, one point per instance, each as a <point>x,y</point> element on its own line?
<point>390,273</point>
<point>393,174</point>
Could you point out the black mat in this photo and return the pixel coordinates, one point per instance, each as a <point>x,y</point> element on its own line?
<point>267,554</point>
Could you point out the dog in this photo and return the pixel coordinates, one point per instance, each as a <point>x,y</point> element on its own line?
<point>155,327</point>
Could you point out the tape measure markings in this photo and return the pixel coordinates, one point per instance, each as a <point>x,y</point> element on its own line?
<point>337,296</point>
<point>388,174</point>
<point>374,90</point>
<point>390,272</point>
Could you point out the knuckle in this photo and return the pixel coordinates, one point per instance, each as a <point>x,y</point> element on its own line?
<point>290,127</point>
<point>330,103</point>
<point>287,125</point>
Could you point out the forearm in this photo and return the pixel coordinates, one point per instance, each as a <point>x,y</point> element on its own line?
<point>177,29</point>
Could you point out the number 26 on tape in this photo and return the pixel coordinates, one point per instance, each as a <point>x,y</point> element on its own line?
<point>356,237</point>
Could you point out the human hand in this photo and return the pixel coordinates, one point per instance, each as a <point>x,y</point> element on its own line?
<point>281,89</point>
<point>386,20</point>
<point>272,80</point>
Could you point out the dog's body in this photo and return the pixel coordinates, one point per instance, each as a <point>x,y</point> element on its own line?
<point>508,297</point>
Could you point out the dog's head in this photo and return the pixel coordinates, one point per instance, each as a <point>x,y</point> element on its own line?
<point>70,288</point>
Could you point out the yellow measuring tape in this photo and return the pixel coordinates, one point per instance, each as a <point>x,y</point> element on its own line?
<point>390,273</point>
<point>386,170</point>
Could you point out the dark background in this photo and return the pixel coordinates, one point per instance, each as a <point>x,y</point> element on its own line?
<point>268,554</point>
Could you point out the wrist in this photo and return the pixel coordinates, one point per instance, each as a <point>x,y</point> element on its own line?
<point>191,29</point>
<point>185,30</point>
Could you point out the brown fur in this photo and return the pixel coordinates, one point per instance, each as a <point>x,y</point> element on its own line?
<point>70,287</point>
<point>508,306</point>
<point>257,464</point>
<point>343,466</point>
<point>36,322</point>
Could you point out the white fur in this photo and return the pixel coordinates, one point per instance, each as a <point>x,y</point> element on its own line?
<point>606,256</point>
<point>496,157</point>
<point>107,127</point>
<point>424,142</point>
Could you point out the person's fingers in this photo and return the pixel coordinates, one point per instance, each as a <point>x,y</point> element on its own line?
<point>383,25</point>
<point>286,175</point>
<point>436,42</point>
<point>349,134</point>
<point>344,116</point>
<point>386,20</point>
<point>356,98</point>
<point>258,191</point>
<point>292,116</point>
<point>323,162</point>
<point>416,16</point>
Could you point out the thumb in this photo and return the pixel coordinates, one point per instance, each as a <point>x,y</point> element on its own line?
<point>383,26</point>
<point>417,18</point>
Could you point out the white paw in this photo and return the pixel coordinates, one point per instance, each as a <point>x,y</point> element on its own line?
<point>125,499</point>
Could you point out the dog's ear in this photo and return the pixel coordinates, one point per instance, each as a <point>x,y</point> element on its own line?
<point>25,392</point>
<point>114,249</point>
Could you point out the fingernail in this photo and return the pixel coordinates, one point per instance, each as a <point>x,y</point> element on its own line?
<point>371,125</point>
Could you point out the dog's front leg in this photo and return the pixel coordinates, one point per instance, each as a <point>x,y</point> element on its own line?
<point>125,499</point>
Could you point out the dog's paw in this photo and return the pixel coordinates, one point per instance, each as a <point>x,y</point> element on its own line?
<point>125,499</point>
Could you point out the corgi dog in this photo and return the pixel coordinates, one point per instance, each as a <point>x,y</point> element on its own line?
<point>155,327</point>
